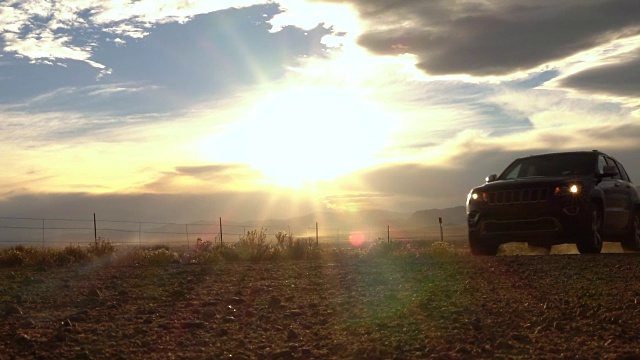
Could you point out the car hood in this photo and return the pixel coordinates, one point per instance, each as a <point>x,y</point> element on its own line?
<point>531,182</point>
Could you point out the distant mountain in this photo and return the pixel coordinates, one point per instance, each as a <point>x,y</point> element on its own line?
<point>450,216</point>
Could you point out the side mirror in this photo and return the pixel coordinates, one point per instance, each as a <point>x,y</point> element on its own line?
<point>491,178</point>
<point>609,171</point>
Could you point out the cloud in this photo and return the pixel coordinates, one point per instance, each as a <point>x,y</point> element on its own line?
<point>170,207</point>
<point>67,30</point>
<point>483,38</point>
<point>203,178</point>
<point>619,78</point>
<point>355,201</point>
<point>455,166</point>
<point>176,63</point>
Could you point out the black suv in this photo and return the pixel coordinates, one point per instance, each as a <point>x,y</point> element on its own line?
<point>572,197</point>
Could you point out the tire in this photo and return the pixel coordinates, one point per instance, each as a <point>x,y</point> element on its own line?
<point>479,247</point>
<point>632,241</point>
<point>590,241</point>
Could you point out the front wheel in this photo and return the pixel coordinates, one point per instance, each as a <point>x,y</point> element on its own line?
<point>479,247</point>
<point>632,241</point>
<point>590,241</point>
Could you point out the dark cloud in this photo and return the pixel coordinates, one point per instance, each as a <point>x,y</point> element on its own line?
<point>494,37</point>
<point>620,79</point>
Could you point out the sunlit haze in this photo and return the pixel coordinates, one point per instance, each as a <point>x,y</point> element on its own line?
<point>256,109</point>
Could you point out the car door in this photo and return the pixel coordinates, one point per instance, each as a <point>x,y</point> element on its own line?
<point>617,198</point>
<point>630,193</point>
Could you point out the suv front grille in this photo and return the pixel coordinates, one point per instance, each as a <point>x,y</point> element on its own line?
<point>518,196</point>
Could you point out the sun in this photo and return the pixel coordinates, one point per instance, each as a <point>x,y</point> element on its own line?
<point>303,135</point>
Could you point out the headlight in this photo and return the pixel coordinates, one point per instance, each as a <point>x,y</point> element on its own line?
<point>570,189</point>
<point>475,195</point>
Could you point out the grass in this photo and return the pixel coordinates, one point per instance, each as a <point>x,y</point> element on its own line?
<point>253,246</point>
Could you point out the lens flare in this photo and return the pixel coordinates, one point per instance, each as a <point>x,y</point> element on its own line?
<point>356,238</point>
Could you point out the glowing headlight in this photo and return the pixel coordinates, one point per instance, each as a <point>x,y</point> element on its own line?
<point>573,189</point>
<point>473,196</point>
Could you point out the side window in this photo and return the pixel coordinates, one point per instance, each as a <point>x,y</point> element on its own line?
<point>612,162</point>
<point>601,163</point>
<point>623,172</point>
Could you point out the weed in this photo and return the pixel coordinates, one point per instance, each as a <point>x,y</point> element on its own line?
<point>228,253</point>
<point>203,246</point>
<point>158,247</point>
<point>253,246</point>
<point>75,252</point>
<point>441,249</point>
<point>101,247</point>
<point>11,258</point>
<point>158,257</point>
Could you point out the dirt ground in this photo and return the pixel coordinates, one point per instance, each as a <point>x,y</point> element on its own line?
<point>460,307</point>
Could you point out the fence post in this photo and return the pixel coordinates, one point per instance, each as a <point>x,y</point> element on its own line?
<point>140,234</point>
<point>388,234</point>
<point>316,234</point>
<point>95,230</point>
<point>186,230</point>
<point>221,231</point>
<point>441,234</point>
<point>43,233</point>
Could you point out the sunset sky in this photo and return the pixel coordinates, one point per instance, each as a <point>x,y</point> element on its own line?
<point>197,109</point>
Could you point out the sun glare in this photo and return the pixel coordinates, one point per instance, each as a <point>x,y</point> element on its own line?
<point>300,136</point>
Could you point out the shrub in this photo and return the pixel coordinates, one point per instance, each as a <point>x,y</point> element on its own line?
<point>441,248</point>
<point>62,259</point>
<point>158,257</point>
<point>204,257</point>
<point>11,258</point>
<point>158,247</point>
<point>283,240</point>
<point>44,257</point>
<point>101,247</point>
<point>253,246</point>
<point>228,253</point>
<point>302,249</point>
<point>76,253</point>
<point>296,249</point>
<point>203,246</point>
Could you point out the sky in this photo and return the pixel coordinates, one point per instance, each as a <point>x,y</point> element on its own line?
<point>186,110</point>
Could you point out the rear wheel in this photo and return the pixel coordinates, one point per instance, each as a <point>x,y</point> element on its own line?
<point>590,241</point>
<point>632,241</point>
<point>479,247</point>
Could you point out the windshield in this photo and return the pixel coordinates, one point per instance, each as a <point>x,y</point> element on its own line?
<point>551,165</point>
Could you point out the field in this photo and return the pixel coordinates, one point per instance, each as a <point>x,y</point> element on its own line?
<point>441,303</point>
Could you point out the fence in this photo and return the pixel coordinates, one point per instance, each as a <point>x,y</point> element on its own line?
<point>51,232</point>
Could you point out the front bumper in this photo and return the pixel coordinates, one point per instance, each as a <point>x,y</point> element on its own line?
<point>555,221</point>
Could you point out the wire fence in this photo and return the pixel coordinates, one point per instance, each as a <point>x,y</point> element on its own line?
<point>58,232</point>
